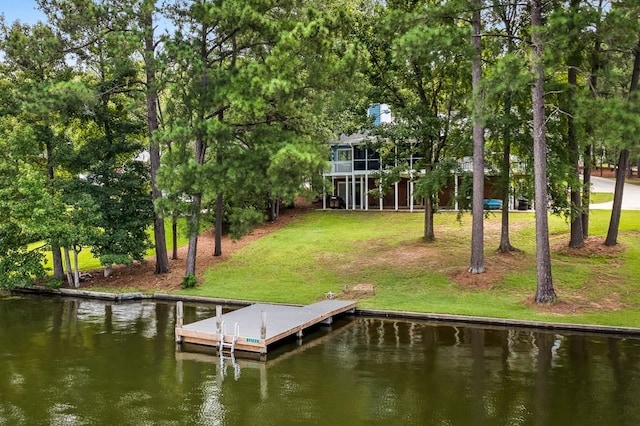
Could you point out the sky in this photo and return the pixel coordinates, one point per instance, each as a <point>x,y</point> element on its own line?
<point>22,10</point>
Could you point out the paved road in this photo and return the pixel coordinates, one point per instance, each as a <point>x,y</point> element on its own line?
<point>630,195</point>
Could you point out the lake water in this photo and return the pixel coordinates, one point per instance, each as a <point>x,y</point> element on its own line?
<point>82,362</point>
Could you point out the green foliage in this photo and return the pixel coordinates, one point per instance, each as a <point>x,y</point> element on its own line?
<point>248,115</point>
<point>126,211</point>
<point>19,268</point>
<point>293,166</point>
<point>54,283</point>
<point>251,98</point>
<point>242,221</point>
<point>18,265</point>
<point>189,281</point>
<point>442,176</point>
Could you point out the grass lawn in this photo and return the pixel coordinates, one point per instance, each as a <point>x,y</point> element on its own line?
<point>325,251</point>
<point>600,197</point>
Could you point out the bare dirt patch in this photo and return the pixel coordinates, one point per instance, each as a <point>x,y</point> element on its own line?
<point>406,255</point>
<point>357,292</point>
<point>593,246</point>
<point>576,304</point>
<point>496,267</point>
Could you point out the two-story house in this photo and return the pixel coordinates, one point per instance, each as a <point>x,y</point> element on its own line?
<point>355,167</point>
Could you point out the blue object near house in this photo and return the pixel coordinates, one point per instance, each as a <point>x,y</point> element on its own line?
<point>492,204</point>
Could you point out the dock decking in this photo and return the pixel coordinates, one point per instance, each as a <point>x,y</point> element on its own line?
<point>259,325</point>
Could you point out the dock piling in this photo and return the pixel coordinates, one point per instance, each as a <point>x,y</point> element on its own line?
<point>218,318</point>
<point>263,325</point>
<point>179,319</point>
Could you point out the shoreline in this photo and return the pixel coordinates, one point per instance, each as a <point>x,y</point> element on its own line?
<point>436,318</point>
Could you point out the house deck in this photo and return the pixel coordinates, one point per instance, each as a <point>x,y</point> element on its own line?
<point>255,327</point>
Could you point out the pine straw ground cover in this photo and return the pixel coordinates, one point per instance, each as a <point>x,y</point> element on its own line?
<point>380,259</point>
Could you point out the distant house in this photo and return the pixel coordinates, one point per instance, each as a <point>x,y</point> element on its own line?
<point>355,166</point>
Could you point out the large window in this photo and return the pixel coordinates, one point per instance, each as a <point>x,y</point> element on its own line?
<point>360,158</point>
<point>357,158</point>
<point>343,160</point>
<point>343,154</point>
<point>373,158</point>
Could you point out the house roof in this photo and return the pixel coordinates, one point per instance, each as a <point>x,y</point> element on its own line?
<point>353,139</point>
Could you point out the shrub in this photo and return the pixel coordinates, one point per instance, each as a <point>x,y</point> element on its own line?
<point>189,281</point>
<point>54,283</point>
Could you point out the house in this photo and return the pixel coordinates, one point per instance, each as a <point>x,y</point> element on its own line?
<point>355,167</point>
<point>353,171</point>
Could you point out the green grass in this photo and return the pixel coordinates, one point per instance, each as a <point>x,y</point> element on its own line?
<point>87,261</point>
<point>601,197</point>
<point>324,251</point>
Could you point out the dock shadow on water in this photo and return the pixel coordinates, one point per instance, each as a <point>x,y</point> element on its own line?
<point>81,362</point>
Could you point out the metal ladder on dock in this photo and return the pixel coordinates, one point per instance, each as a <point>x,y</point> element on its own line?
<point>228,347</point>
<point>226,351</point>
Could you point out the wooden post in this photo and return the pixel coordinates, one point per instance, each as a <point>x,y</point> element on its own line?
<point>263,326</point>
<point>218,318</point>
<point>179,319</point>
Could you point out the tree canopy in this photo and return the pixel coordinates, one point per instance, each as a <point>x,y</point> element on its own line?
<point>117,114</point>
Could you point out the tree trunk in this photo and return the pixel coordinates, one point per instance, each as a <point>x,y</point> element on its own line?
<point>616,211</point>
<point>623,162</point>
<point>162,260</point>
<point>199,156</point>
<point>217,250</point>
<point>76,268</point>
<point>577,236</point>
<point>429,232</point>
<point>69,270</point>
<point>196,207</point>
<point>586,189</point>
<point>477,228</point>
<point>174,236</point>
<point>505,178</point>
<point>58,269</point>
<point>544,290</point>
<point>219,223</point>
<point>505,239</point>
<point>505,243</point>
<point>194,226</point>
<point>588,151</point>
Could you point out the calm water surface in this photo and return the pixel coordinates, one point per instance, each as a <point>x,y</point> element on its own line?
<point>79,362</point>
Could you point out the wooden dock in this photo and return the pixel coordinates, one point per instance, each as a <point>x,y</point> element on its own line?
<point>255,327</point>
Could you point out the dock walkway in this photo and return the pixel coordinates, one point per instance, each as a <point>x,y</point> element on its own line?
<point>255,327</point>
